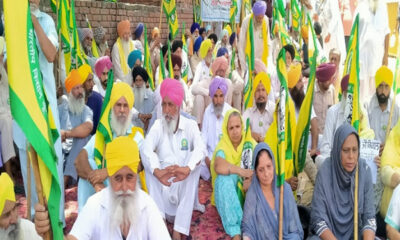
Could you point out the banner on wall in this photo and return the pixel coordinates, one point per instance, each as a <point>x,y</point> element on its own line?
<point>218,10</point>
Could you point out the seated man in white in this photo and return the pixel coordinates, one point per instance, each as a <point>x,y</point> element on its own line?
<point>120,211</point>
<point>172,151</point>
<point>211,129</point>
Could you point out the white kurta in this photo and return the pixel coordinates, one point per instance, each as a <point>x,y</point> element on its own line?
<point>93,221</point>
<point>116,61</point>
<point>260,122</point>
<point>184,148</point>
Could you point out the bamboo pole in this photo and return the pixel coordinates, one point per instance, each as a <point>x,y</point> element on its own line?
<point>356,205</point>
<point>161,4</point>
<point>38,183</point>
<point>281,213</point>
<point>29,195</point>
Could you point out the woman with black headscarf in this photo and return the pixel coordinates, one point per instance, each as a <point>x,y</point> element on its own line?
<point>332,208</point>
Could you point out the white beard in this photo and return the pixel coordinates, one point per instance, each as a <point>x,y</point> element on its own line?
<point>218,110</point>
<point>11,233</point>
<point>139,96</point>
<point>76,105</point>
<point>169,125</point>
<point>120,127</point>
<point>373,5</point>
<point>124,209</point>
<point>34,9</point>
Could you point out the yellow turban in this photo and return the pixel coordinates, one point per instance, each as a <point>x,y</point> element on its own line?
<point>264,79</point>
<point>84,71</point>
<point>293,75</point>
<point>205,46</point>
<point>6,191</point>
<point>123,26</point>
<point>384,74</point>
<point>121,89</point>
<point>304,32</point>
<point>73,79</point>
<point>120,152</point>
<point>229,29</point>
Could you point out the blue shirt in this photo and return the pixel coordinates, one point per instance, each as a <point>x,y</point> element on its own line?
<point>95,102</point>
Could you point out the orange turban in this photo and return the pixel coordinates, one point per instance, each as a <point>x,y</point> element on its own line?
<point>304,32</point>
<point>293,75</point>
<point>73,79</point>
<point>123,26</point>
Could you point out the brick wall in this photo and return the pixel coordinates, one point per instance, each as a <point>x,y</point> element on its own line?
<point>109,14</point>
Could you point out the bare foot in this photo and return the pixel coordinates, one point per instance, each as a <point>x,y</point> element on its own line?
<point>236,237</point>
<point>176,235</point>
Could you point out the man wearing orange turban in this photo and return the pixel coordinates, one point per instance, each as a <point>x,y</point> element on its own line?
<point>120,52</point>
<point>76,121</point>
<point>119,115</point>
<point>172,152</point>
<point>119,210</point>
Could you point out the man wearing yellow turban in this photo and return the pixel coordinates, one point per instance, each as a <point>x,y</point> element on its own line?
<point>120,114</point>
<point>76,120</point>
<point>11,225</point>
<point>119,209</point>
<point>172,152</point>
<point>381,103</point>
<point>260,111</point>
<point>120,52</point>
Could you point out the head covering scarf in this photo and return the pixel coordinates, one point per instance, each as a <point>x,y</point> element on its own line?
<point>84,32</point>
<point>122,151</point>
<point>6,191</point>
<point>325,72</point>
<point>232,155</point>
<point>197,44</point>
<point>344,84</point>
<point>218,83</point>
<point>257,212</point>
<point>259,8</point>
<point>194,27</point>
<point>123,26</point>
<point>122,89</point>
<point>224,32</point>
<point>333,199</point>
<point>259,66</point>
<point>205,46</point>
<point>222,51</point>
<point>176,60</point>
<point>73,79</point>
<point>232,38</point>
<point>139,30</point>
<point>84,71</point>
<point>98,34</point>
<point>172,89</point>
<point>384,74</point>
<point>220,63</point>
<point>140,71</point>
<point>293,75</point>
<point>101,64</point>
<point>155,32</point>
<point>264,79</point>
<point>133,57</point>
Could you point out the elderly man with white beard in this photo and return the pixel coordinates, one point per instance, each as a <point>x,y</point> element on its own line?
<point>172,151</point>
<point>211,129</point>
<point>120,52</point>
<point>92,179</point>
<point>120,211</point>
<point>143,98</point>
<point>79,121</point>
<point>12,227</point>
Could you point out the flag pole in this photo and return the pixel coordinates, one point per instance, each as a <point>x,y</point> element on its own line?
<point>38,183</point>
<point>161,4</point>
<point>356,205</point>
<point>29,195</point>
<point>281,213</point>
<point>58,68</point>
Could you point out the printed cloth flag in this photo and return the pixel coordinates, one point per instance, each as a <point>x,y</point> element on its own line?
<point>29,106</point>
<point>147,60</point>
<point>169,8</point>
<point>184,49</point>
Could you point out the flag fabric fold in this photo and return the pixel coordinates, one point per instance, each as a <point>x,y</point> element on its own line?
<point>169,9</point>
<point>29,106</point>
<point>184,49</point>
